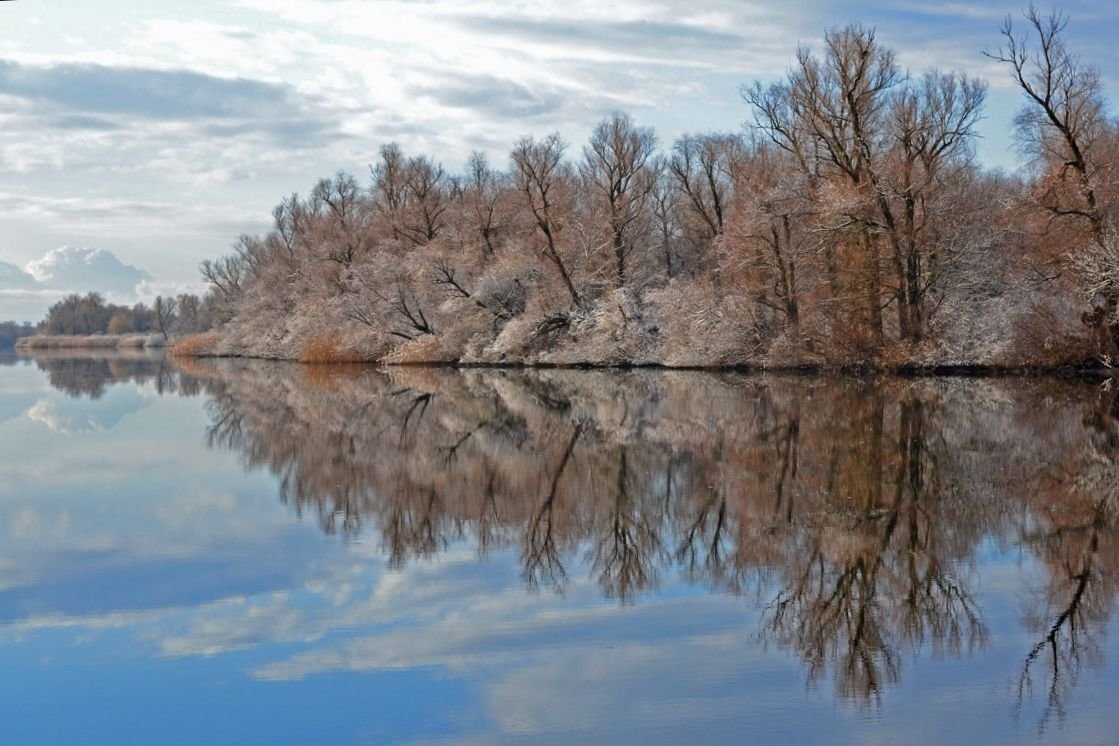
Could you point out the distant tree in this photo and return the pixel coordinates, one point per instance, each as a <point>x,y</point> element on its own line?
<point>165,315</point>
<point>12,331</point>
<point>190,312</point>
<point>121,323</point>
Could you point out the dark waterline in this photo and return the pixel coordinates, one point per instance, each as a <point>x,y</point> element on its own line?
<point>233,551</point>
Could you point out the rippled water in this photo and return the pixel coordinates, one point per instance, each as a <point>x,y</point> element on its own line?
<point>229,552</point>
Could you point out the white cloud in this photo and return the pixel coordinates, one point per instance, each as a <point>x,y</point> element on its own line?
<point>243,106</point>
<point>69,267</point>
<point>26,293</point>
<point>14,278</point>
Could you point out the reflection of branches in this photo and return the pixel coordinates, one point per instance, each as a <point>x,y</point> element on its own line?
<point>626,554</point>
<point>488,523</point>
<point>540,555</point>
<point>417,408</point>
<point>879,577</point>
<point>836,616</point>
<point>227,424</point>
<point>450,453</point>
<point>865,507</point>
<point>411,533</point>
<point>80,373</point>
<point>706,535</point>
<point>1068,634</point>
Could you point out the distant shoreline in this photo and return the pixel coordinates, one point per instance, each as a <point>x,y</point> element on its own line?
<point>91,341</point>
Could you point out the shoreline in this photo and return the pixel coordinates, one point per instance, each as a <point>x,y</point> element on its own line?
<point>176,348</point>
<point>849,370</point>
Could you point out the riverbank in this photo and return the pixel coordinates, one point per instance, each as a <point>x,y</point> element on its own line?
<point>214,345</point>
<point>93,341</point>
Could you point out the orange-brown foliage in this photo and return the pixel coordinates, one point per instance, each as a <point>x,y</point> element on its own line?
<point>329,348</point>
<point>195,345</point>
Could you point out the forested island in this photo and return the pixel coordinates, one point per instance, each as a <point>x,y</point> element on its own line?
<point>848,224</point>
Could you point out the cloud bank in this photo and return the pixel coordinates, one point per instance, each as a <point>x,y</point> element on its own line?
<point>26,292</point>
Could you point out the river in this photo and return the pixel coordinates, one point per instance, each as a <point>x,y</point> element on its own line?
<point>231,552</point>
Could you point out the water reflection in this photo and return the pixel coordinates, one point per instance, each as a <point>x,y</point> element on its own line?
<point>853,508</point>
<point>89,373</point>
<point>855,513</point>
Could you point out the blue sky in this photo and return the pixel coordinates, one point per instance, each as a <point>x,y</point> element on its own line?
<point>158,131</point>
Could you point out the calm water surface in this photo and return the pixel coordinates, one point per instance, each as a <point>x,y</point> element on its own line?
<point>229,552</point>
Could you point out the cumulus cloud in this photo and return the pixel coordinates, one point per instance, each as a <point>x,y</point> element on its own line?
<point>79,267</point>
<point>14,278</point>
<point>69,416</point>
<point>26,293</point>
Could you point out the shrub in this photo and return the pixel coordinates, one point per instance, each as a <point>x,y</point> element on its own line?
<point>329,347</point>
<point>195,345</point>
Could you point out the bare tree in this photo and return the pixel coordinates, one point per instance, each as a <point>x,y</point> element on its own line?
<point>704,169</point>
<point>390,187</point>
<point>893,145</point>
<point>483,193</point>
<point>426,185</point>
<point>347,227</point>
<point>1064,112</point>
<point>225,274</point>
<point>932,123</point>
<point>190,312</point>
<point>618,165</point>
<point>539,169</point>
<point>664,199</point>
<point>838,102</point>
<point>1064,123</point>
<point>165,309</point>
<point>290,224</point>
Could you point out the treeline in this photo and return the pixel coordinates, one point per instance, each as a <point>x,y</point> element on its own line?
<point>849,224</point>
<point>12,331</point>
<point>90,314</point>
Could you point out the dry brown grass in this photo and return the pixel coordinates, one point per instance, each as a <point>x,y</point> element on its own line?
<point>100,341</point>
<point>195,345</point>
<point>329,348</point>
<point>425,350</point>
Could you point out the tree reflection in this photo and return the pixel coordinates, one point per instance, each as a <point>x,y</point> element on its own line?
<point>1074,530</point>
<point>89,373</point>
<point>853,509</point>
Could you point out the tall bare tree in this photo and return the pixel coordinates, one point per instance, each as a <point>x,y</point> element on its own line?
<point>483,193</point>
<point>1064,124</point>
<point>165,315</point>
<point>618,166</point>
<point>704,167</point>
<point>539,170</point>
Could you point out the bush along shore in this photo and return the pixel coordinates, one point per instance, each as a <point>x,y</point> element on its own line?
<point>849,225</point>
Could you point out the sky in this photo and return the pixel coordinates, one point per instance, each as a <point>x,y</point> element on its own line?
<point>149,134</point>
